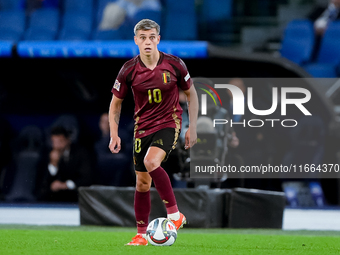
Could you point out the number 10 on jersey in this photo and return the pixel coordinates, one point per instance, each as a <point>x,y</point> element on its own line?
<point>155,95</point>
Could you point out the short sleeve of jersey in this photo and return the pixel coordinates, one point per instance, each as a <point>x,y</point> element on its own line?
<point>185,81</point>
<point>120,88</point>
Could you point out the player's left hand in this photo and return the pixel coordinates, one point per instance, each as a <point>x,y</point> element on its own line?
<point>190,138</point>
<point>114,145</point>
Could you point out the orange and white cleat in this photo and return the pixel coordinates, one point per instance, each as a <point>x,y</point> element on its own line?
<point>179,223</point>
<point>138,240</point>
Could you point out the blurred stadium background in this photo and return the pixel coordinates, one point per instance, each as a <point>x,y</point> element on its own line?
<point>58,67</point>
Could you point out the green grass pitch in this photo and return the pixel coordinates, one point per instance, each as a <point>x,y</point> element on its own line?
<point>21,239</point>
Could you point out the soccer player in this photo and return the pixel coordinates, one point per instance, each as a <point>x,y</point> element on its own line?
<point>155,78</point>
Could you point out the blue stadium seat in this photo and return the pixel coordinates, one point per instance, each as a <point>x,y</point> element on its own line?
<point>76,26</point>
<point>43,25</point>
<point>85,6</point>
<point>321,70</point>
<point>298,41</point>
<point>12,25</point>
<point>180,20</point>
<point>51,3</point>
<point>11,4</point>
<point>126,29</point>
<point>147,14</point>
<point>183,5</point>
<point>215,10</point>
<point>329,54</point>
<point>180,26</point>
<point>215,19</point>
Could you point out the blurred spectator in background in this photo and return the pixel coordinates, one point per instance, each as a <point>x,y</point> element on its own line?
<point>69,167</point>
<point>113,16</point>
<point>115,13</point>
<point>323,15</point>
<point>101,144</point>
<point>113,169</point>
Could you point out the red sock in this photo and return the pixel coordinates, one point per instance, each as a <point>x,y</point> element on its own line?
<point>142,210</point>
<point>163,185</point>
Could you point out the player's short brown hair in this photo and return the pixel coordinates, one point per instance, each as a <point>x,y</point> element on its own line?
<point>146,24</point>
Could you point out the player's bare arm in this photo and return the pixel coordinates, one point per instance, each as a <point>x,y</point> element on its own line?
<point>191,135</point>
<point>114,117</point>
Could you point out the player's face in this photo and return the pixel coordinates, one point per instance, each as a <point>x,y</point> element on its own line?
<point>147,41</point>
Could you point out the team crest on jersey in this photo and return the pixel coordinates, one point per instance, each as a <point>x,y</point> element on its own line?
<point>117,85</point>
<point>166,77</point>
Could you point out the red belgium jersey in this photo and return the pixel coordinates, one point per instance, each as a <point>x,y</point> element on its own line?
<point>155,92</point>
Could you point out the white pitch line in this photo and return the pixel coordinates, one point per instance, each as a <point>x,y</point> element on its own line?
<point>310,219</point>
<point>40,216</point>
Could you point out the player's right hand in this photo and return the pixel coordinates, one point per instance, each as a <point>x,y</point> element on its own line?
<point>114,145</point>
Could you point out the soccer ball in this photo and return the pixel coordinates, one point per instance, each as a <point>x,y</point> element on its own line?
<point>161,232</point>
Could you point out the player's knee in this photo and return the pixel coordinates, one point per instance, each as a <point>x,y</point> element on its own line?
<point>151,163</point>
<point>142,185</point>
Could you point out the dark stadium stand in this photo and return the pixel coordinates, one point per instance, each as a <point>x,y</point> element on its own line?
<point>21,175</point>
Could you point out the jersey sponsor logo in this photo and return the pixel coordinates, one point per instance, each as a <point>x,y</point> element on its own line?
<point>187,77</point>
<point>117,85</point>
<point>166,77</point>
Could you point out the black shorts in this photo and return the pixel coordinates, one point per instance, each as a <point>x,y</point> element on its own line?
<point>166,139</point>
